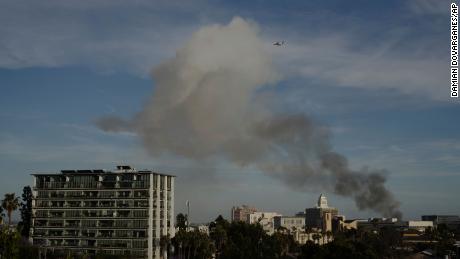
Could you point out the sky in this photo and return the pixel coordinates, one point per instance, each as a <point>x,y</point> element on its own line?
<point>375,73</point>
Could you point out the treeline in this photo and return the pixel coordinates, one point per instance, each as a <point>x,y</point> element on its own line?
<point>235,240</point>
<point>14,241</point>
<point>231,240</point>
<point>239,240</point>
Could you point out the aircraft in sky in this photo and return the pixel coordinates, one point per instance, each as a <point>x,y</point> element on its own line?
<point>279,43</point>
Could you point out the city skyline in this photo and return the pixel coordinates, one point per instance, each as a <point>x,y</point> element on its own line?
<point>376,75</point>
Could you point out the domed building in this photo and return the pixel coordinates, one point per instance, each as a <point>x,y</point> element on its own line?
<point>320,217</point>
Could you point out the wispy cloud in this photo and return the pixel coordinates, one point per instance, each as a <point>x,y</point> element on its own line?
<point>344,60</point>
<point>422,159</point>
<point>434,7</point>
<point>105,35</point>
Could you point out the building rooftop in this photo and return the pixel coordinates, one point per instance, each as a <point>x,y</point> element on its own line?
<point>119,169</point>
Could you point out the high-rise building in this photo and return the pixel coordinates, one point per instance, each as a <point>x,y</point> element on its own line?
<point>120,212</point>
<point>320,217</point>
<point>241,213</point>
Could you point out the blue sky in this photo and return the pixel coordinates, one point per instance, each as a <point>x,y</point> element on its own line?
<point>375,72</point>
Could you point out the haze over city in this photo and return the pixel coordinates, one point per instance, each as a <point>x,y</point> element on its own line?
<point>354,103</point>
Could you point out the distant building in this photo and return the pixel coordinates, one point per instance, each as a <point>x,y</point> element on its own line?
<point>320,217</point>
<point>449,220</point>
<point>203,229</point>
<point>420,225</point>
<point>289,222</point>
<point>441,219</point>
<point>339,223</point>
<point>124,212</point>
<point>302,237</point>
<point>265,219</point>
<point>241,213</point>
<point>196,227</point>
<point>377,223</point>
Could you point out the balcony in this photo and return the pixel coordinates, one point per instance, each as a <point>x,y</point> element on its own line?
<point>56,214</point>
<point>55,224</point>
<point>72,224</point>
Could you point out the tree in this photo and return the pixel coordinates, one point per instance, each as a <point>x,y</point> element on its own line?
<point>9,243</point>
<point>193,244</point>
<point>26,211</point>
<point>181,221</point>
<point>10,203</point>
<point>1,214</point>
<point>316,237</point>
<point>165,242</point>
<point>283,243</point>
<point>309,250</point>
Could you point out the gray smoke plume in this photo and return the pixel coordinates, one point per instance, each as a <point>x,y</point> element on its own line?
<point>208,104</point>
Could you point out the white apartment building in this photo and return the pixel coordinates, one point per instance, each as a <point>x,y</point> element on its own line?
<point>420,225</point>
<point>120,212</point>
<point>290,223</point>
<point>265,219</point>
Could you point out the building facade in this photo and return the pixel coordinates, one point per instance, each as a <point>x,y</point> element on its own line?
<point>240,213</point>
<point>451,221</point>
<point>265,219</point>
<point>340,223</point>
<point>290,223</point>
<point>420,225</point>
<point>120,212</point>
<point>320,217</point>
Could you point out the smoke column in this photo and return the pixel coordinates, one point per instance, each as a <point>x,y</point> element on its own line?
<point>207,104</point>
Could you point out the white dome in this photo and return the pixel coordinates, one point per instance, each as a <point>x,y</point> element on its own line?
<point>322,201</point>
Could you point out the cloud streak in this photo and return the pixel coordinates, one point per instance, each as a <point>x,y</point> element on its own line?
<point>340,60</point>
<point>74,33</point>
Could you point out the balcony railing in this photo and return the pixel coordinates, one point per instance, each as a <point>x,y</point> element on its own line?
<point>93,185</point>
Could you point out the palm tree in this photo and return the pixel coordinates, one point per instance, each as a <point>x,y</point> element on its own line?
<point>10,204</point>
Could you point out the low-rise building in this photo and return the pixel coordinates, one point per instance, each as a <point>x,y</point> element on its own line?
<point>420,225</point>
<point>339,223</point>
<point>290,223</point>
<point>302,237</point>
<point>451,221</point>
<point>265,219</point>
<point>240,213</point>
<point>441,219</point>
